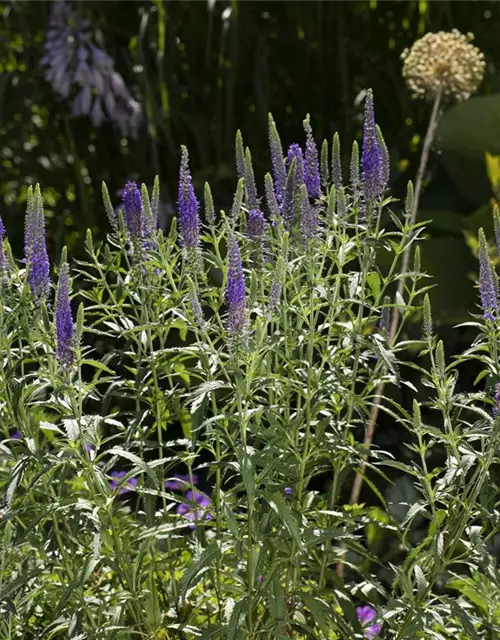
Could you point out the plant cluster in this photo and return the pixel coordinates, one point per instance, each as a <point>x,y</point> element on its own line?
<point>176,456</point>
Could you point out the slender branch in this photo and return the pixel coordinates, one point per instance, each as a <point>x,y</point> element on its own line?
<point>379,392</point>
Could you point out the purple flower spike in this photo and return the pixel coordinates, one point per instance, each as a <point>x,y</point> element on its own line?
<point>187,206</point>
<point>311,163</point>
<point>236,289</point>
<point>487,288</point>
<point>133,212</point>
<point>496,408</point>
<point>35,249</point>
<point>195,508</point>
<point>65,327</point>
<point>294,151</point>
<point>366,615</point>
<point>115,482</point>
<point>3,261</point>
<point>255,225</point>
<point>277,161</point>
<point>371,156</point>
<point>181,482</point>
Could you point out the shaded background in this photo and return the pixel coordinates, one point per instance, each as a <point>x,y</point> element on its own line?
<point>201,70</point>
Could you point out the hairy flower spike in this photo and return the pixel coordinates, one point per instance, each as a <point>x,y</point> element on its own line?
<point>354,167</point>
<point>308,216</point>
<point>133,212</point>
<point>65,328</point>
<point>409,200</point>
<point>187,206</point>
<point>252,199</point>
<point>325,169</point>
<point>155,202</point>
<point>386,165</point>
<point>496,224</point>
<point>110,212</point>
<point>238,199</point>
<point>341,204</point>
<point>311,164</point>
<point>487,288</point>
<point>255,225</point>
<point>277,285</point>
<point>272,203</point>
<point>240,155</point>
<point>209,205</point>
<point>443,62</point>
<point>3,259</point>
<point>277,161</point>
<point>371,157</point>
<point>336,161</point>
<point>236,289</point>
<point>427,318</point>
<point>36,258</point>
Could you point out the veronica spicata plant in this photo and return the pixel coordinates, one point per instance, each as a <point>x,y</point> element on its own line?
<point>178,451</point>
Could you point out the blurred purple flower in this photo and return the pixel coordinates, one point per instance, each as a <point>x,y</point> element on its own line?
<point>311,163</point>
<point>35,248</point>
<point>115,482</point>
<point>133,213</point>
<point>371,156</point>
<point>236,289</point>
<point>288,491</point>
<point>73,62</point>
<point>195,507</point>
<point>65,327</point>
<point>366,615</point>
<point>187,205</point>
<point>16,435</point>
<point>181,481</point>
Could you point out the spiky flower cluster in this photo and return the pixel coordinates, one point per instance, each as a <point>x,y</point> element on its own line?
<point>487,286</point>
<point>133,212</point>
<point>65,328</point>
<point>236,289</point>
<point>371,155</point>
<point>35,248</point>
<point>187,205</point>
<point>73,61</point>
<point>3,261</point>
<point>444,62</point>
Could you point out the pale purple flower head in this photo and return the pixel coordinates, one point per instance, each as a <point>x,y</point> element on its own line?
<point>181,481</point>
<point>255,225</point>
<point>35,248</point>
<point>311,163</point>
<point>115,482</point>
<point>195,507</point>
<point>371,156</point>
<point>236,289</point>
<point>187,206</point>
<point>366,615</point>
<point>487,288</point>
<point>133,211</point>
<point>65,327</point>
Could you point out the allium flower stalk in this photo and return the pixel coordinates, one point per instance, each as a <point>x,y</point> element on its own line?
<point>277,161</point>
<point>366,615</point>
<point>236,289</point>
<point>187,206</point>
<point>311,163</point>
<point>371,156</point>
<point>487,287</point>
<point>65,326</point>
<point>73,61</point>
<point>35,248</point>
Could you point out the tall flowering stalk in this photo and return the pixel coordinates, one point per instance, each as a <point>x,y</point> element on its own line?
<point>35,247</point>
<point>65,327</point>
<point>487,288</point>
<point>3,260</point>
<point>236,290</point>
<point>277,161</point>
<point>371,156</point>
<point>311,163</point>
<point>133,212</point>
<point>295,151</point>
<point>187,206</point>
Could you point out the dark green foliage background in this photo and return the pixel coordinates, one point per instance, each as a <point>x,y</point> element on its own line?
<point>202,70</point>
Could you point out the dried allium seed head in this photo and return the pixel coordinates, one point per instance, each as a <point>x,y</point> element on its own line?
<point>445,61</point>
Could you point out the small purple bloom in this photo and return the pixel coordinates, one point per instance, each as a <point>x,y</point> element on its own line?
<point>255,225</point>
<point>35,248</point>
<point>311,163</point>
<point>115,482</point>
<point>294,151</point>
<point>487,288</point>
<point>187,205</point>
<point>236,289</point>
<point>366,615</point>
<point>133,212</point>
<point>65,327</point>
<point>16,435</point>
<point>371,156</point>
<point>260,579</point>
<point>181,481</point>
<point>195,507</point>
<point>288,491</point>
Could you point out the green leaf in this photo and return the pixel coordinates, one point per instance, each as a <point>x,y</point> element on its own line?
<point>198,568</point>
<point>279,505</point>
